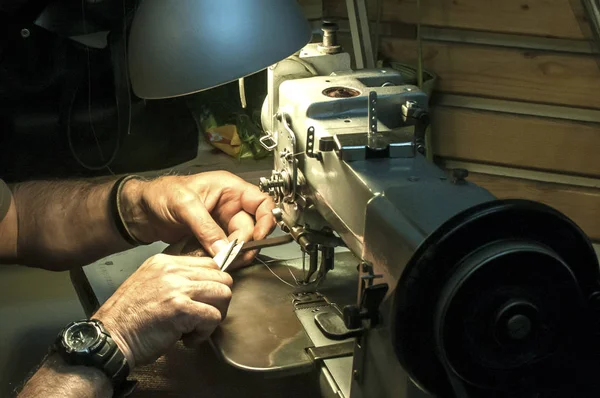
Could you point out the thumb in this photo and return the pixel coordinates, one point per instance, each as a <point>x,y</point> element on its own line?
<point>210,235</point>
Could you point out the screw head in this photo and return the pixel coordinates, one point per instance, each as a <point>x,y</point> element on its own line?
<point>263,184</point>
<point>25,33</point>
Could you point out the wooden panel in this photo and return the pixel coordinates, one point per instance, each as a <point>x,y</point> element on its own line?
<point>506,73</point>
<point>549,18</point>
<point>582,205</point>
<point>517,141</point>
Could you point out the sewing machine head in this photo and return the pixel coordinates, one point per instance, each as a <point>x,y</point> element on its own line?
<point>458,293</point>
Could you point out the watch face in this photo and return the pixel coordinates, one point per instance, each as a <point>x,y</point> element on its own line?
<point>81,336</point>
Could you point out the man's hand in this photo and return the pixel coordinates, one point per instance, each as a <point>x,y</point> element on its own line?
<point>215,207</point>
<point>166,298</point>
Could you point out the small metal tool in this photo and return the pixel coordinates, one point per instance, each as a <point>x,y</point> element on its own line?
<point>226,256</point>
<point>268,242</point>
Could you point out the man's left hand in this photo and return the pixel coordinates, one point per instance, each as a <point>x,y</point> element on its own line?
<point>215,207</point>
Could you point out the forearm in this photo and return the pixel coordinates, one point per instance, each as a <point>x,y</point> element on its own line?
<point>65,223</point>
<point>57,379</point>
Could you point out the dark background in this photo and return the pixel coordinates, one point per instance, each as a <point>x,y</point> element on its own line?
<point>65,106</point>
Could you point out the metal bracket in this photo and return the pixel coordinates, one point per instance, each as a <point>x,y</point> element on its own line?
<point>340,350</point>
<point>264,141</point>
<point>291,157</point>
<point>310,145</point>
<point>367,280</point>
<point>411,112</point>
<point>372,112</point>
<point>375,139</point>
<point>302,300</point>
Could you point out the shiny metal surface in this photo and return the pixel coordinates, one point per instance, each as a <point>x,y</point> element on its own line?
<point>295,68</point>
<point>375,141</point>
<point>393,212</point>
<point>226,256</point>
<point>267,242</point>
<point>304,102</point>
<point>185,46</point>
<point>340,369</point>
<point>353,147</point>
<point>383,208</point>
<point>262,332</point>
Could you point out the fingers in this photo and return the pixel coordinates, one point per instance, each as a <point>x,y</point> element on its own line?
<point>198,317</point>
<point>186,247</point>
<point>241,227</point>
<point>210,275</point>
<point>194,340</point>
<point>185,261</point>
<point>265,224</point>
<point>261,206</point>
<point>196,269</point>
<point>212,293</point>
<point>191,211</point>
<point>253,200</point>
<point>239,204</point>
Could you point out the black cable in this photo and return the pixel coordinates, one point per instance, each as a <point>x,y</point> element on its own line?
<point>121,89</point>
<point>72,147</point>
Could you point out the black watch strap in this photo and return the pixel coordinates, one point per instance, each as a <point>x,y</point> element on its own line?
<point>111,360</point>
<point>105,356</point>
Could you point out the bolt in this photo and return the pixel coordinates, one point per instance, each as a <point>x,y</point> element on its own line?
<point>263,184</point>
<point>355,374</point>
<point>25,33</point>
<point>518,327</point>
<point>329,34</point>
<point>330,44</point>
<point>270,184</point>
<point>278,214</point>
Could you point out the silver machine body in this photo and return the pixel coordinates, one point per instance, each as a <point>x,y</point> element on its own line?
<point>349,170</point>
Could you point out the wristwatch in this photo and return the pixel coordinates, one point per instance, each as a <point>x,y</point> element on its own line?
<point>88,343</point>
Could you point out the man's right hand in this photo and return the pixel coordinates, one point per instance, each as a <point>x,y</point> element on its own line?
<point>166,298</point>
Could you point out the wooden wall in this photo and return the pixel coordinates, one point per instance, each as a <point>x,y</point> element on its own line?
<point>518,96</point>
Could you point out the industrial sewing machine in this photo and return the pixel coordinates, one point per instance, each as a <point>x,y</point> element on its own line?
<point>419,283</point>
<point>457,294</point>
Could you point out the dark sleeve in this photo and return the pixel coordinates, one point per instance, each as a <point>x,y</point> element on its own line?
<point>5,197</point>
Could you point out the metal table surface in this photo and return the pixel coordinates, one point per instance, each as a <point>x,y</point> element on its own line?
<point>262,332</point>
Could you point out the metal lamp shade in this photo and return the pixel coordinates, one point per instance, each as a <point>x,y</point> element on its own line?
<point>179,47</point>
